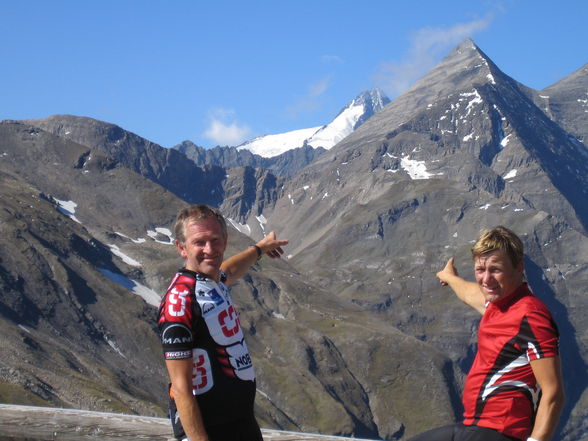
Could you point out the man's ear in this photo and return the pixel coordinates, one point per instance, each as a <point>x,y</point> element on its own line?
<point>181,250</point>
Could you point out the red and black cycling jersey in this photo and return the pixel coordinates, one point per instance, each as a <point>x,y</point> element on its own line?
<point>501,391</point>
<point>198,321</point>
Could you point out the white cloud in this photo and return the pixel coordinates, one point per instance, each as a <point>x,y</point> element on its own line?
<point>332,59</point>
<point>310,101</point>
<point>319,88</point>
<point>224,129</point>
<point>426,47</point>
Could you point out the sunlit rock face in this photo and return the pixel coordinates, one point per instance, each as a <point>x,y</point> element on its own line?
<point>350,332</point>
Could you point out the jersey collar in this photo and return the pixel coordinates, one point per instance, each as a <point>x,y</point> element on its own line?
<point>507,301</point>
<point>201,277</point>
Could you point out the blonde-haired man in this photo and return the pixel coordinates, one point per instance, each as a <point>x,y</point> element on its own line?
<point>514,389</point>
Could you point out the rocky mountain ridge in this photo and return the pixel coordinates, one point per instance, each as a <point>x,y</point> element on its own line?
<point>285,154</point>
<point>464,149</point>
<point>351,329</point>
<point>285,164</point>
<point>566,102</point>
<point>352,116</point>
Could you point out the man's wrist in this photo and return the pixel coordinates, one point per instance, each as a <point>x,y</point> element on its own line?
<point>258,250</point>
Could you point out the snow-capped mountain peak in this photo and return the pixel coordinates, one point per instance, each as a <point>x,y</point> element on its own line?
<point>269,146</point>
<point>351,117</point>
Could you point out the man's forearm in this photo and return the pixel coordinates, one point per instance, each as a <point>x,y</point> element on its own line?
<point>236,266</point>
<point>190,417</point>
<point>180,374</point>
<point>547,418</point>
<point>467,292</point>
<point>547,371</point>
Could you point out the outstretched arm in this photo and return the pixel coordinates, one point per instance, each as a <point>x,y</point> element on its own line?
<point>547,371</point>
<point>467,292</point>
<point>236,266</point>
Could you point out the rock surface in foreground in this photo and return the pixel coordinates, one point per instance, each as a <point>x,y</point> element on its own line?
<point>27,423</point>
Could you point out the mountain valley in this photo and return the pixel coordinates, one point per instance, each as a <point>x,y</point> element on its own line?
<point>351,334</point>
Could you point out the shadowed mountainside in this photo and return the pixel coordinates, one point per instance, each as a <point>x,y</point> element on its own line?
<point>351,334</point>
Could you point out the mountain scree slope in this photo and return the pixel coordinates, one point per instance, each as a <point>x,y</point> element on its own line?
<point>351,334</point>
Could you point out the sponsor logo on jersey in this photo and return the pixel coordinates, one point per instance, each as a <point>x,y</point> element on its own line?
<point>176,334</point>
<point>202,378</point>
<point>206,307</point>
<point>240,361</point>
<point>243,362</point>
<point>215,297</point>
<point>177,355</point>
<point>209,299</point>
<point>224,326</point>
<point>229,321</point>
<point>177,302</point>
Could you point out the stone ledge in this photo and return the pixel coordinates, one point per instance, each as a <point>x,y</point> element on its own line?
<point>29,423</point>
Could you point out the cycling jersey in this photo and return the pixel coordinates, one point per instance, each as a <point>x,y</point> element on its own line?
<point>501,391</point>
<point>198,321</point>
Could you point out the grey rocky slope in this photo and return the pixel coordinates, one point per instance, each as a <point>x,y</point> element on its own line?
<point>166,167</point>
<point>285,164</point>
<point>225,186</point>
<point>63,345</point>
<point>352,333</point>
<point>566,102</point>
<point>80,340</point>
<point>71,336</point>
<point>464,149</point>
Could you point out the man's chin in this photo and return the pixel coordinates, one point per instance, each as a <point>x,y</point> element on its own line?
<point>491,296</point>
<point>210,270</point>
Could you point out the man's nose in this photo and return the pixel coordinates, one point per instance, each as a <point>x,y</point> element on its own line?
<point>208,247</point>
<point>486,276</point>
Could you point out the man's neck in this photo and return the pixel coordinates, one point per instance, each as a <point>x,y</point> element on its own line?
<point>217,278</point>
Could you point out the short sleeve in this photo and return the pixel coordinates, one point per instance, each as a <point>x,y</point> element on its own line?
<point>176,322</point>
<point>544,335</point>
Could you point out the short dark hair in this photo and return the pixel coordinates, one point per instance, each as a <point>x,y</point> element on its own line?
<point>499,239</point>
<point>197,213</point>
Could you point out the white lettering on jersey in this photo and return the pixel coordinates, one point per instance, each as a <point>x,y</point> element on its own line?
<point>177,302</point>
<point>176,333</point>
<point>202,380</point>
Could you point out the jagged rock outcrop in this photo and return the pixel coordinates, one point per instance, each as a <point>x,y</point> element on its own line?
<point>351,333</point>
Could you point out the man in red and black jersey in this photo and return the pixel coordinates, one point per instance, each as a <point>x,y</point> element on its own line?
<point>212,388</point>
<point>514,389</point>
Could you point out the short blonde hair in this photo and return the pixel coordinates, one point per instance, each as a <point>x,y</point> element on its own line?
<point>197,213</point>
<point>499,239</point>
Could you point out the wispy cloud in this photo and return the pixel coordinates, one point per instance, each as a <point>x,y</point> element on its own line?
<point>224,129</point>
<point>310,101</point>
<point>332,59</point>
<point>426,47</point>
<point>319,88</point>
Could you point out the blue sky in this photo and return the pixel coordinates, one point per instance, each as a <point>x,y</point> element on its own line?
<point>222,72</point>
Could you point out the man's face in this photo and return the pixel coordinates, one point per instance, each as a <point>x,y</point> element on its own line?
<point>496,275</point>
<point>204,248</point>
